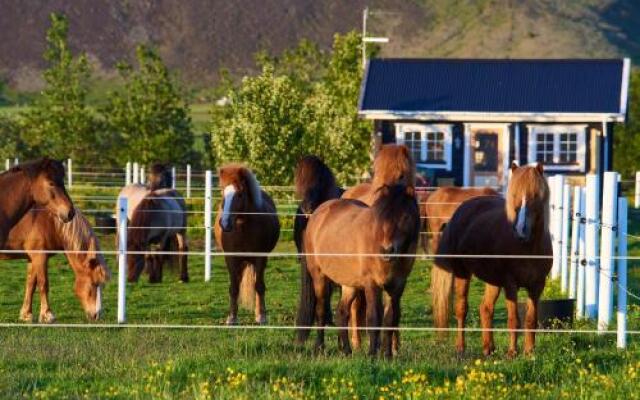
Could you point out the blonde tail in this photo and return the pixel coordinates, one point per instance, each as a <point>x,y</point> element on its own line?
<point>441,284</point>
<point>248,287</point>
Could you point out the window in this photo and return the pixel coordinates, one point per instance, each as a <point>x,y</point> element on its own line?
<point>430,145</point>
<point>561,147</point>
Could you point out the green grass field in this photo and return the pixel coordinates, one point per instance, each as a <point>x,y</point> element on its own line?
<point>198,363</point>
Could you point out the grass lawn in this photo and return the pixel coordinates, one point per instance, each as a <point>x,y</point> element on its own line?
<point>192,363</point>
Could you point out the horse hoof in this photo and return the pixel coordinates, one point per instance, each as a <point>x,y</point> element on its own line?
<point>26,317</point>
<point>47,318</point>
<point>261,320</point>
<point>487,351</point>
<point>512,354</point>
<point>232,321</point>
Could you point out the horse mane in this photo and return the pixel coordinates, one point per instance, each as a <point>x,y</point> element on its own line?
<point>77,235</point>
<point>530,181</point>
<point>53,168</point>
<point>312,175</point>
<point>391,160</point>
<point>160,170</point>
<point>238,172</point>
<point>395,201</point>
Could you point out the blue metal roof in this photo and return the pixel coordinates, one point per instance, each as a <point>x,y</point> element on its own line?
<point>494,86</point>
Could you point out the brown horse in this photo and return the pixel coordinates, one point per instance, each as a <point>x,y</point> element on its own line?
<point>37,183</point>
<point>440,205</point>
<point>375,236</point>
<point>158,220</point>
<point>315,184</point>
<point>246,222</point>
<point>489,225</point>
<point>393,165</point>
<point>39,230</point>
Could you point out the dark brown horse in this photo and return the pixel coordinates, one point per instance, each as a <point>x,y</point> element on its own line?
<point>156,222</point>
<point>39,230</point>
<point>246,222</point>
<point>159,177</point>
<point>490,225</point>
<point>37,183</point>
<point>440,205</point>
<point>315,184</point>
<point>393,165</point>
<point>375,238</point>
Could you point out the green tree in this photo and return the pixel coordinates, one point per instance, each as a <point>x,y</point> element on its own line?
<point>627,136</point>
<point>264,124</point>
<point>150,113</point>
<point>11,144</point>
<point>60,124</point>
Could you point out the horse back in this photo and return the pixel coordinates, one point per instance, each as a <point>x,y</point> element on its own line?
<point>34,231</point>
<point>359,192</point>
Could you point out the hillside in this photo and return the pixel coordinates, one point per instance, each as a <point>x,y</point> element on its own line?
<point>198,37</point>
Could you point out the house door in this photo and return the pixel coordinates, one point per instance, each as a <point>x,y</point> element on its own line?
<point>487,155</point>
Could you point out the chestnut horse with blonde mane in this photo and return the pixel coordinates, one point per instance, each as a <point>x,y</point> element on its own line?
<point>493,226</point>
<point>361,248</point>
<point>36,183</point>
<point>246,222</point>
<point>39,230</point>
<point>315,184</point>
<point>392,165</point>
<point>440,205</point>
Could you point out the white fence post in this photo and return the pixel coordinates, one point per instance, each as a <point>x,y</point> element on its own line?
<point>556,214</point>
<point>564,238</point>
<point>69,172</point>
<point>592,210</point>
<point>7,164</point>
<point>122,259</point>
<point>142,180</point>
<point>575,227</point>
<point>173,177</point>
<point>582,256</point>
<point>127,178</point>
<point>622,272</point>
<point>607,249</point>
<point>136,170</point>
<point>188,181</point>
<point>207,226</point>
<point>637,199</point>
<point>16,161</point>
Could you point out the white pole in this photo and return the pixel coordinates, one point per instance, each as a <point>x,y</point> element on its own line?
<point>622,273</point>
<point>607,250</point>
<point>637,202</point>
<point>592,210</point>
<point>207,226</point>
<point>136,170</point>
<point>188,181</point>
<point>575,259</point>
<point>127,179</point>
<point>558,188</point>
<point>70,172</point>
<point>582,256</point>
<point>7,164</point>
<point>564,238</point>
<point>16,161</point>
<point>173,177</point>
<point>122,259</point>
<point>142,180</point>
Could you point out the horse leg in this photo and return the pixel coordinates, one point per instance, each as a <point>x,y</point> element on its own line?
<point>461,287</point>
<point>349,294</point>
<point>491,294</point>
<point>261,308</point>
<point>531,319</point>
<point>40,265</point>
<point>357,318</point>
<point>320,284</point>
<point>511,294</point>
<point>183,248</point>
<point>374,310</point>
<point>392,320</point>
<point>235,268</point>
<point>26,314</point>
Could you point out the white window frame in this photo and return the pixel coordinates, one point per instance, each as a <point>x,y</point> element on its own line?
<point>446,129</point>
<point>556,130</point>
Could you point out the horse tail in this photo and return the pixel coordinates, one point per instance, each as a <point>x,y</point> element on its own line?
<point>248,287</point>
<point>306,303</point>
<point>441,285</point>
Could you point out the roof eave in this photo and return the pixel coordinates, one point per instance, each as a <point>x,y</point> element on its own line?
<point>491,116</point>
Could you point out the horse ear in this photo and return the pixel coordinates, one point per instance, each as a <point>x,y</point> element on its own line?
<point>540,168</point>
<point>514,165</point>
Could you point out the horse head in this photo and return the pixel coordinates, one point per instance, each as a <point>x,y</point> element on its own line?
<point>47,187</point>
<point>393,165</point>
<point>527,204</point>
<point>160,177</point>
<point>241,194</point>
<point>397,219</point>
<point>314,183</point>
